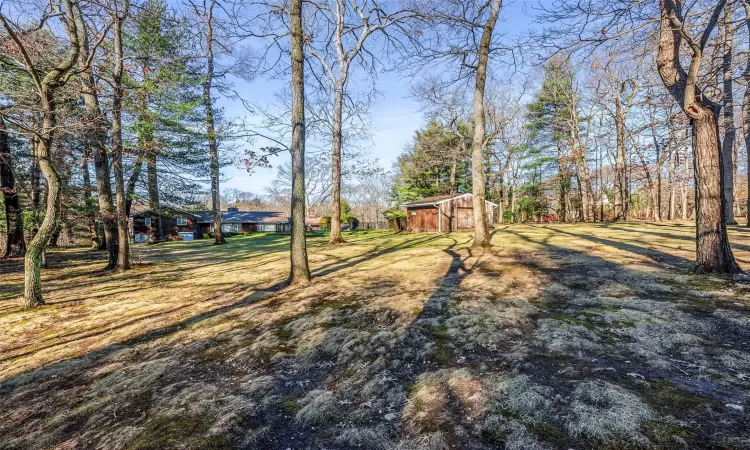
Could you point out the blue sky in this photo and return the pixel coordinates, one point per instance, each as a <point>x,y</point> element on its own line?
<point>395,116</point>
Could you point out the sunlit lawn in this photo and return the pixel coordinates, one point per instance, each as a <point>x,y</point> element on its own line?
<point>561,336</point>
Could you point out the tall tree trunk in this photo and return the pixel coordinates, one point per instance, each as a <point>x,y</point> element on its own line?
<point>673,186</point>
<point>132,181</point>
<point>584,188</point>
<point>338,108</point>
<point>481,228</point>
<point>659,189</point>
<point>145,132</point>
<point>123,256</point>
<point>88,201</point>
<point>157,227</point>
<point>501,194</point>
<point>36,186</point>
<point>562,210</point>
<point>213,149</point>
<point>300,270</point>
<point>713,253</point>
<point>730,129</point>
<point>684,187</point>
<point>96,141</point>
<point>746,112</point>
<point>32,294</point>
<point>654,189</point>
<point>619,162</point>
<point>14,243</point>
<point>45,84</point>
<point>452,179</point>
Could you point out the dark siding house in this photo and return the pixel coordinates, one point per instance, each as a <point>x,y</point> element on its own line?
<point>236,221</point>
<point>177,225</point>
<point>444,213</point>
<point>183,225</point>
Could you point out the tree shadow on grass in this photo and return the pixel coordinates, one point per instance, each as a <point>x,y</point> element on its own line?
<point>332,372</point>
<point>59,377</point>
<point>651,253</point>
<point>690,239</point>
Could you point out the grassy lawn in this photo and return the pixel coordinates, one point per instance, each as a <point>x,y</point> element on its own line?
<point>561,336</point>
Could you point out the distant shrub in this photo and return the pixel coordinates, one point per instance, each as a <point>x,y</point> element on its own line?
<point>325,223</point>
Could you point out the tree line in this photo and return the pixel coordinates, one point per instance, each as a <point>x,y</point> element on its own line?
<point>627,117</point>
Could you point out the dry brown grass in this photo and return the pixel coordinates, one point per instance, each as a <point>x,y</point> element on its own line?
<point>402,341</point>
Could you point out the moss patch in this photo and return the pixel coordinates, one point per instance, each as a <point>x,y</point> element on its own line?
<point>183,432</point>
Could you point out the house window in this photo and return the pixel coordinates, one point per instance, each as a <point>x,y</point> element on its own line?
<point>147,221</point>
<point>231,227</point>
<point>181,221</point>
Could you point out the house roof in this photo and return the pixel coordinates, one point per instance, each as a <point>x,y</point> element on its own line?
<point>245,217</point>
<point>309,220</point>
<point>434,201</point>
<point>141,210</point>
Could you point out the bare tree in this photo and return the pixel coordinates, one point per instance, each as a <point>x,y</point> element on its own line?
<point>300,270</point>
<point>96,142</point>
<point>206,13</point>
<point>730,129</point>
<point>351,24</point>
<point>119,12</point>
<point>481,227</point>
<point>462,35</point>
<point>746,108</point>
<point>683,34</point>
<point>47,82</point>
<point>713,253</point>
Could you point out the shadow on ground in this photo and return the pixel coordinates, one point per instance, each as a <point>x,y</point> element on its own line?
<point>560,336</point>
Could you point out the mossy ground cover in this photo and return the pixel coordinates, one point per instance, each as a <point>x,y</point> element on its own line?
<point>560,336</point>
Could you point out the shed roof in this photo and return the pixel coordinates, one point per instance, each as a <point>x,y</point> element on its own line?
<point>436,200</point>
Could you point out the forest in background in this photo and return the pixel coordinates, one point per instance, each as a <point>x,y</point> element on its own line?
<point>609,111</point>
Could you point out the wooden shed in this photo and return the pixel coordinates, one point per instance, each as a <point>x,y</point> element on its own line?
<point>445,213</point>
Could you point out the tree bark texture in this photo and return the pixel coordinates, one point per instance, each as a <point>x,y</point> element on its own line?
<point>619,193</point>
<point>88,201</point>
<point>123,254</point>
<point>746,111</point>
<point>481,228</point>
<point>213,149</point>
<point>713,253</point>
<point>157,227</point>
<point>45,84</point>
<point>730,129</point>
<point>15,245</point>
<point>300,270</point>
<point>338,111</point>
<point>96,141</point>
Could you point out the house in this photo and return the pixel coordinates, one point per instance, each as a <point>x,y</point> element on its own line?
<point>235,221</point>
<point>444,213</point>
<point>176,224</point>
<point>312,223</point>
<point>189,225</point>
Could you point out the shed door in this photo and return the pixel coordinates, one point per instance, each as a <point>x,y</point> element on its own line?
<point>423,219</point>
<point>464,218</point>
